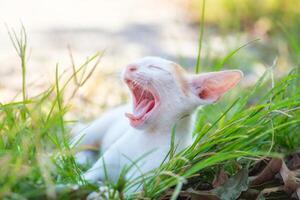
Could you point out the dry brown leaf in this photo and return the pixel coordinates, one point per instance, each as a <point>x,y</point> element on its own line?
<point>268,172</point>
<point>268,191</point>
<point>234,186</point>
<point>199,195</point>
<point>182,195</point>
<point>275,166</point>
<point>220,179</point>
<point>294,163</point>
<point>289,178</point>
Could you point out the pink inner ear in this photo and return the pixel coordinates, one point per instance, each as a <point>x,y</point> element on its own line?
<point>212,86</point>
<point>208,95</point>
<point>204,94</point>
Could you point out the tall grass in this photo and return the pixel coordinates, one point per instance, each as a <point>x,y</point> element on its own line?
<point>201,33</point>
<point>37,162</point>
<point>237,132</point>
<point>20,46</point>
<point>35,155</point>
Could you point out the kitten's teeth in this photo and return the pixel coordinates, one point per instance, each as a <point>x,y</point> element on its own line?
<point>140,106</point>
<point>143,102</point>
<point>142,110</point>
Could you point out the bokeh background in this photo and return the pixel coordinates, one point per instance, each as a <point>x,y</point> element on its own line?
<point>129,29</point>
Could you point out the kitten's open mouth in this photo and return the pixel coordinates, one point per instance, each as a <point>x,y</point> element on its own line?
<point>144,102</point>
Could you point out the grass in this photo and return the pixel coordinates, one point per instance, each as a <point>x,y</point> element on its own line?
<point>34,148</point>
<point>236,133</point>
<point>37,162</point>
<point>20,45</point>
<point>198,64</point>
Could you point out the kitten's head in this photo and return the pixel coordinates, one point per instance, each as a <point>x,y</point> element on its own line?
<point>162,91</point>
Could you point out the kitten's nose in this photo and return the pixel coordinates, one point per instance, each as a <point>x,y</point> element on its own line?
<point>131,68</point>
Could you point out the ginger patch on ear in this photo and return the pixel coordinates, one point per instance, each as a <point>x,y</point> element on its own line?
<point>180,80</point>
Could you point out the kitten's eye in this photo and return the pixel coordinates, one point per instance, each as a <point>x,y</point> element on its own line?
<point>158,68</point>
<point>155,67</point>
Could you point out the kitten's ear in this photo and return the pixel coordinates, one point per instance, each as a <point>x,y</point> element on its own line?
<point>209,87</point>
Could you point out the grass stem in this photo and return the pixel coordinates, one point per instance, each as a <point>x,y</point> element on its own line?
<point>198,64</point>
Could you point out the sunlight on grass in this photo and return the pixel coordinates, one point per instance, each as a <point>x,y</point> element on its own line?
<point>37,161</point>
<point>34,149</point>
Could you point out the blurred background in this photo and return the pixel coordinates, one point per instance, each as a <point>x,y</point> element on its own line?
<point>125,30</point>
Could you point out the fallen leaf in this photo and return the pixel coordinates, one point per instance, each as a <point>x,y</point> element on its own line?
<point>268,172</point>
<point>291,184</point>
<point>294,162</point>
<point>198,195</point>
<point>233,187</point>
<point>268,191</point>
<point>250,194</point>
<point>220,179</point>
<point>191,194</point>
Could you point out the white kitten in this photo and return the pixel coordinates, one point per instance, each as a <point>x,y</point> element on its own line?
<point>162,93</point>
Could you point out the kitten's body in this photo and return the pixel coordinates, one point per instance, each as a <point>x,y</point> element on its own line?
<point>162,94</point>
<point>122,144</point>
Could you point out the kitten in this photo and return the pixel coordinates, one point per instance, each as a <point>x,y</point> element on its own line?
<point>162,93</point>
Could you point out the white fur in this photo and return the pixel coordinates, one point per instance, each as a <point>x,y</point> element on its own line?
<point>121,144</point>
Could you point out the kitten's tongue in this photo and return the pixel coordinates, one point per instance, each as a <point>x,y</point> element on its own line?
<point>141,109</point>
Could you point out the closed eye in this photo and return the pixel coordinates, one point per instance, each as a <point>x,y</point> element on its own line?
<point>156,67</point>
